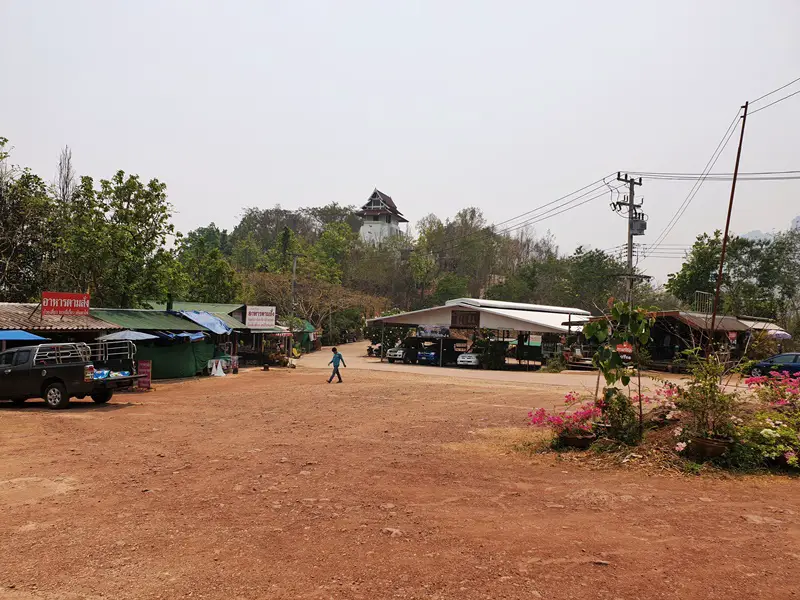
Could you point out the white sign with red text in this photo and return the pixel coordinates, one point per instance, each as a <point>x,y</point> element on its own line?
<point>260,317</point>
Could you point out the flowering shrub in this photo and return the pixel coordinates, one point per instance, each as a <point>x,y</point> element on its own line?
<point>619,414</point>
<point>576,419</point>
<point>779,388</point>
<point>772,437</point>
<point>709,409</point>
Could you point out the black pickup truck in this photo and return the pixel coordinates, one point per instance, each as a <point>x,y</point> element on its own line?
<point>56,373</point>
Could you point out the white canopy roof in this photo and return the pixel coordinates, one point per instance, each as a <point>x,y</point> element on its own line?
<point>480,302</point>
<point>495,314</point>
<point>771,329</point>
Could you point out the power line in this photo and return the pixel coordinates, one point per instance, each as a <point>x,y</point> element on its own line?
<point>533,220</point>
<point>539,218</point>
<point>651,173</point>
<point>763,176</point>
<point>698,184</point>
<point>773,91</point>
<point>450,244</point>
<point>776,101</point>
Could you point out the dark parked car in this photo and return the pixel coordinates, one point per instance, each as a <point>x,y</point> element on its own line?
<point>428,357</point>
<point>55,372</point>
<point>782,362</point>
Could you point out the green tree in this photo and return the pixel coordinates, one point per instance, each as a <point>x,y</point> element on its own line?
<point>423,268</point>
<point>699,270</point>
<point>448,287</point>
<point>247,255</point>
<point>333,213</point>
<point>27,231</point>
<point>513,289</point>
<point>113,240</point>
<point>206,276</point>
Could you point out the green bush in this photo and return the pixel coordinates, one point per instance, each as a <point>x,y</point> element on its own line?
<point>710,409</point>
<point>620,415</point>
<point>770,438</point>
<point>555,365</point>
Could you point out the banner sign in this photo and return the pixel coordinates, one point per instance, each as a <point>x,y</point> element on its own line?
<point>465,319</point>
<point>433,331</point>
<point>260,317</point>
<point>625,351</point>
<point>145,369</point>
<point>62,303</point>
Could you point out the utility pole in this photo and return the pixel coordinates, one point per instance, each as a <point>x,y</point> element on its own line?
<point>725,237</point>
<point>291,318</point>
<point>636,224</point>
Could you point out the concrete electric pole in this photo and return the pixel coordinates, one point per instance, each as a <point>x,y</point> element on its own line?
<point>291,318</point>
<point>636,225</point>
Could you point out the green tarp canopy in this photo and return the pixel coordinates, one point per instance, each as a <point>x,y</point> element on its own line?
<point>221,311</point>
<point>145,320</point>
<point>176,360</point>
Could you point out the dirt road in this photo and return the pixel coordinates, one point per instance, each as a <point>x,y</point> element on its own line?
<point>392,485</point>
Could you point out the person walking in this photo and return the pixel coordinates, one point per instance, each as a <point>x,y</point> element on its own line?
<point>337,358</point>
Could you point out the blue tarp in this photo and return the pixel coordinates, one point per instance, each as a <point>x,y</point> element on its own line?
<point>16,335</point>
<point>194,337</point>
<point>207,320</point>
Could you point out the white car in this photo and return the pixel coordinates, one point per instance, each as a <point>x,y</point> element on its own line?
<point>471,358</point>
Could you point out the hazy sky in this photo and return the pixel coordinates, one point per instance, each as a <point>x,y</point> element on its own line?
<point>441,104</point>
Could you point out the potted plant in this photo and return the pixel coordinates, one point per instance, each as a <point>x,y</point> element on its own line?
<point>572,426</point>
<point>710,411</point>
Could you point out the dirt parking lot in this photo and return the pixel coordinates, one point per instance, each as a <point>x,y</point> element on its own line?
<point>393,485</point>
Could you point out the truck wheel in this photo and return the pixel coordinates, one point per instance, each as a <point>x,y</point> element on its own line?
<point>55,396</point>
<point>102,397</point>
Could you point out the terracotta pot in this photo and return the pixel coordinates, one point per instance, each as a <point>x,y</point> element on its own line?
<point>577,441</point>
<point>708,447</point>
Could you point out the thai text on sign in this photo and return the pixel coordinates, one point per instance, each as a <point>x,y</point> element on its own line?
<point>145,369</point>
<point>63,303</point>
<point>260,317</point>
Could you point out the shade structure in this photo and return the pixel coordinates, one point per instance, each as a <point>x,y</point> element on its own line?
<point>492,314</point>
<point>17,335</point>
<point>127,335</point>
<point>207,320</point>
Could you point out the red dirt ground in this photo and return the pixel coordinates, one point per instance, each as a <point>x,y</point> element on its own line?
<point>392,485</point>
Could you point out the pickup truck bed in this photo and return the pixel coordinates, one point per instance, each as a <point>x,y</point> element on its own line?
<point>56,373</point>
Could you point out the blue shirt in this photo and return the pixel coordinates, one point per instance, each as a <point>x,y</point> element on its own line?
<point>337,358</point>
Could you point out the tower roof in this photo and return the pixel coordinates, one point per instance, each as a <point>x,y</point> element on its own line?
<point>381,204</point>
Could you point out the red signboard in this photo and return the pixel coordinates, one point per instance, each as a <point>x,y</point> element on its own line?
<point>145,369</point>
<point>63,303</point>
<point>625,351</point>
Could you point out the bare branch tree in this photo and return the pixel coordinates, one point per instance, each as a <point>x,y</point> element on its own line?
<point>65,185</point>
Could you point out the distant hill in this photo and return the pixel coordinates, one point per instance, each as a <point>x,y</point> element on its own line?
<point>757,234</point>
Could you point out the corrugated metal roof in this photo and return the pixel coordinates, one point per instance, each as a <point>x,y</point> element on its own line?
<point>229,320</point>
<point>545,320</point>
<point>28,317</point>
<point>145,320</point>
<point>703,321</point>
<point>221,311</point>
<point>212,307</point>
<point>480,302</point>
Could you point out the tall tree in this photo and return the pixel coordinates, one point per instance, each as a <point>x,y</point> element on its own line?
<point>27,231</point>
<point>699,270</point>
<point>113,241</point>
